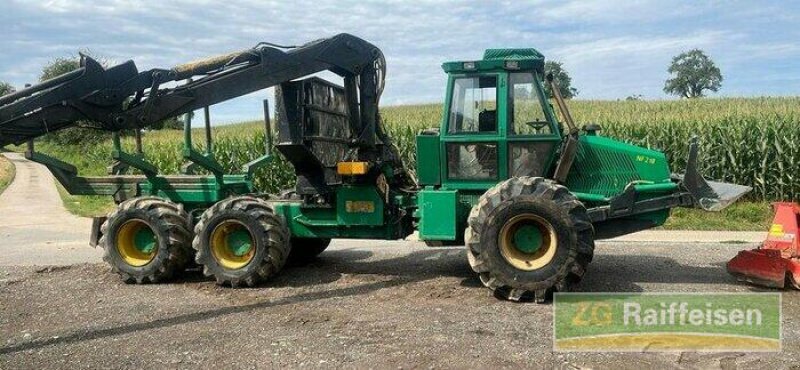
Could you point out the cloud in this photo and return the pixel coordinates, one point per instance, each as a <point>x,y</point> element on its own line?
<point>611,48</point>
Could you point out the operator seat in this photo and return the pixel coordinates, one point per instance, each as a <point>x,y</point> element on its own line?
<point>487,121</point>
<point>487,155</point>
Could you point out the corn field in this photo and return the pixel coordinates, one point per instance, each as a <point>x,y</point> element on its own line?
<point>750,141</point>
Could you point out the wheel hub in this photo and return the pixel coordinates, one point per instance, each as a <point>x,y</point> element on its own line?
<point>528,239</point>
<point>527,242</point>
<point>137,244</point>
<point>232,244</point>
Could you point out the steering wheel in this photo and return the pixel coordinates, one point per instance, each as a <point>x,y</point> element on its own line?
<point>537,125</point>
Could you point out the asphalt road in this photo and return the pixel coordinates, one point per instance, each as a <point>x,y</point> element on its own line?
<point>35,229</point>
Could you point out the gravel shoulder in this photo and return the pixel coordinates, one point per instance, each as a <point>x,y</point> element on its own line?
<point>361,304</point>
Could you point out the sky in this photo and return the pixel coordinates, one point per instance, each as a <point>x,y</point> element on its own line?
<point>612,49</point>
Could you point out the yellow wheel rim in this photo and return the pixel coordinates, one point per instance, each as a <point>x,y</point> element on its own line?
<point>528,242</point>
<point>137,244</point>
<point>232,245</point>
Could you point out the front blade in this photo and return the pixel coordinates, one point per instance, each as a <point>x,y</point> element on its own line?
<point>724,194</point>
<point>708,195</point>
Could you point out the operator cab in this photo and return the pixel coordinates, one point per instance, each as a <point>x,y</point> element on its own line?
<point>497,123</point>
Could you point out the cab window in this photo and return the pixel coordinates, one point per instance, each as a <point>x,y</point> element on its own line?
<point>526,114</point>
<point>473,108</point>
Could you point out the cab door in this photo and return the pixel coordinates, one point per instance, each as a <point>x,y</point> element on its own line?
<point>473,126</point>
<point>532,132</point>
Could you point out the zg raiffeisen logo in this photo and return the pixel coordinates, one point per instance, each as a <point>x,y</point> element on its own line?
<point>667,322</point>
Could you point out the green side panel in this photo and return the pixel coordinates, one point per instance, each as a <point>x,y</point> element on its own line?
<point>466,200</point>
<point>428,160</point>
<point>324,222</point>
<point>359,205</point>
<point>437,211</point>
<point>603,167</point>
<point>200,192</point>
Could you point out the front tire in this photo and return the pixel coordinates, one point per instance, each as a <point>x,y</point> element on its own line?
<point>240,241</point>
<point>528,237</point>
<point>146,240</point>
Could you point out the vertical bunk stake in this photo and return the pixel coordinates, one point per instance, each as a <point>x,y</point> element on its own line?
<point>267,128</point>
<point>209,147</point>
<point>138,139</point>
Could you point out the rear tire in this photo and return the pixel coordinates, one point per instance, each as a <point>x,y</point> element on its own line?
<point>241,242</point>
<point>146,240</point>
<point>528,237</point>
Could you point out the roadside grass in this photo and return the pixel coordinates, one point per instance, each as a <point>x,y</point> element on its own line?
<point>741,216</point>
<point>85,205</point>
<point>7,172</point>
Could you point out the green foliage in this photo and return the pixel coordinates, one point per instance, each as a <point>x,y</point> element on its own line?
<point>693,72</point>
<point>174,123</point>
<point>6,88</point>
<point>7,171</point>
<point>86,205</point>
<point>562,78</point>
<point>59,66</point>
<point>741,216</point>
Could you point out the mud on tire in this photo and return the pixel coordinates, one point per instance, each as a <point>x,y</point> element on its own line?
<point>268,237</point>
<point>165,225</point>
<point>572,235</point>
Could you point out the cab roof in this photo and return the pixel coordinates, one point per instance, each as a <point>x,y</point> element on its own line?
<point>500,59</point>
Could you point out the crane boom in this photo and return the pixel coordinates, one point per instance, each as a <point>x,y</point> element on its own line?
<point>120,97</point>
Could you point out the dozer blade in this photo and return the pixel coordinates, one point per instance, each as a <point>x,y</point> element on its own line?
<point>719,195</point>
<point>708,195</point>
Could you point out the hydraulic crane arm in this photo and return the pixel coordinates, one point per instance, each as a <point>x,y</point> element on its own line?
<point>122,98</point>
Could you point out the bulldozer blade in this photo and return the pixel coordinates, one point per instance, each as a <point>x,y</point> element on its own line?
<point>721,195</point>
<point>708,195</point>
<point>765,267</point>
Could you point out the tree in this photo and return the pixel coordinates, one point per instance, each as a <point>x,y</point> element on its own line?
<point>6,88</point>
<point>59,66</point>
<point>693,72</point>
<point>561,77</point>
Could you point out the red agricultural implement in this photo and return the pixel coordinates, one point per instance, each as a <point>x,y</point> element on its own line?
<point>777,260</point>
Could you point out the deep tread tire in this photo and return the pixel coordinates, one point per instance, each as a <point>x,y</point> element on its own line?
<point>554,203</point>
<point>168,221</point>
<point>305,250</point>
<point>270,236</point>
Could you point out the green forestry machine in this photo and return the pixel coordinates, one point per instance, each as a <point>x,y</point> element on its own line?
<point>527,193</point>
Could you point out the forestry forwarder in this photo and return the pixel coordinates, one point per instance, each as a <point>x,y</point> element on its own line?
<point>526,193</point>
